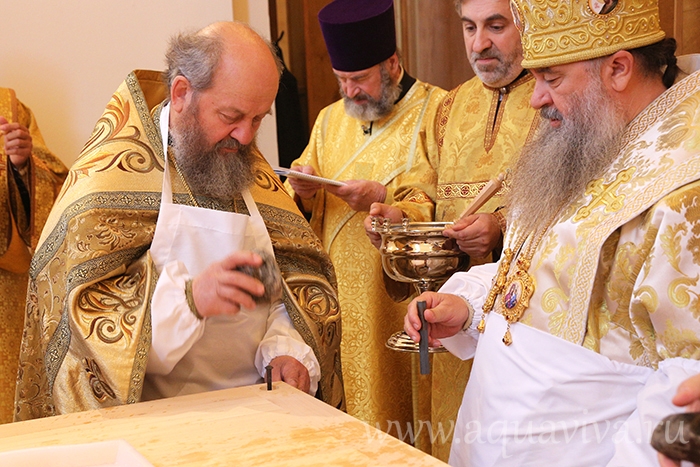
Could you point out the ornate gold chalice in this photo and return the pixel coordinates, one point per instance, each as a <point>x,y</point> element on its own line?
<point>418,253</point>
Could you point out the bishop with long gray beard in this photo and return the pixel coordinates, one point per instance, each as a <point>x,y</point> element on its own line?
<point>567,153</point>
<point>584,330</point>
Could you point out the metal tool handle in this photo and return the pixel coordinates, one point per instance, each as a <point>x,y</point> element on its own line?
<point>423,344</point>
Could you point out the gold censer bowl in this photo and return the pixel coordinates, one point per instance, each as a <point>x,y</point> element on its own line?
<point>418,253</point>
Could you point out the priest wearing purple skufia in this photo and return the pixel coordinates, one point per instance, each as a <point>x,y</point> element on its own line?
<point>373,139</point>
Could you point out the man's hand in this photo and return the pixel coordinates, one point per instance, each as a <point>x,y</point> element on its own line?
<point>381,211</point>
<point>306,189</point>
<point>477,235</point>
<point>445,313</point>
<point>359,194</point>
<point>18,142</point>
<point>221,290</point>
<point>291,371</point>
<point>688,396</point>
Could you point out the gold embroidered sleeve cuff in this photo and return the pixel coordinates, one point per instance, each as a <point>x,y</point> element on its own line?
<point>190,299</point>
<point>470,319</point>
<point>501,219</point>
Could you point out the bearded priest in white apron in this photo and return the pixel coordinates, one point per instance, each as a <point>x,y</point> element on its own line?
<point>135,291</point>
<point>587,325</point>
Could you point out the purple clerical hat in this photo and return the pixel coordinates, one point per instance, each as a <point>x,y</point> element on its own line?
<point>358,33</point>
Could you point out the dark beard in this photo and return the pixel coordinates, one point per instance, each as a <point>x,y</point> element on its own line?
<point>374,109</point>
<point>554,169</point>
<point>211,172</point>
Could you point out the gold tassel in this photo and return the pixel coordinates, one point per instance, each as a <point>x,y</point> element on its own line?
<point>508,339</point>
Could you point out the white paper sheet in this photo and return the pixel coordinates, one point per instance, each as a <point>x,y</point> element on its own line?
<point>313,178</point>
<point>115,453</point>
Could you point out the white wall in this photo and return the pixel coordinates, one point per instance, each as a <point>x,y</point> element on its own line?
<point>66,58</point>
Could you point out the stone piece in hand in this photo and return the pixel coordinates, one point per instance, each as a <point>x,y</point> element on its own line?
<point>678,437</point>
<point>269,274</point>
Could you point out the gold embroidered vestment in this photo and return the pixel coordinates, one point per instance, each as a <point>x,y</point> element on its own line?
<point>87,332</point>
<point>44,175</point>
<point>618,271</point>
<point>377,380</point>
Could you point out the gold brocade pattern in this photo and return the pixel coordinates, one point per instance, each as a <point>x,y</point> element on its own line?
<point>619,272</point>
<point>469,144</point>
<point>604,194</point>
<point>467,190</point>
<point>555,33</point>
<point>45,175</point>
<point>100,388</point>
<point>13,290</point>
<point>377,380</point>
<point>88,330</point>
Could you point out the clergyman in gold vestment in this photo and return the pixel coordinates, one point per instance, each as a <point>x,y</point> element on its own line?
<point>374,140</point>
<point>479,130</point>
<point>31,176</point>
<point>89,336</point>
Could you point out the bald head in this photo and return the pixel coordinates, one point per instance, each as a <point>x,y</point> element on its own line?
<point>197,56</point>
<point>223,82</point>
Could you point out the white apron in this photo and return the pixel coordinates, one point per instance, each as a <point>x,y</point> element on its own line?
<point>549,402</point>
<point>196,237</point>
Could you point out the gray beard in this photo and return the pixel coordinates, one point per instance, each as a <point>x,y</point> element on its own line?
<point>503,73</point>
<point>210,172</point>
<point>374,109</point>
<point>554,169</point>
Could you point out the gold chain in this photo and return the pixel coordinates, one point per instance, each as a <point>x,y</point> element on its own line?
<point>184,180</point>
<point>519,286</point>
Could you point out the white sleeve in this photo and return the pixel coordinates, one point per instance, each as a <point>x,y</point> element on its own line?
<point>282,339</point>
<point>632,440</point>
<point>175,329</point>
<point>472,286</point>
